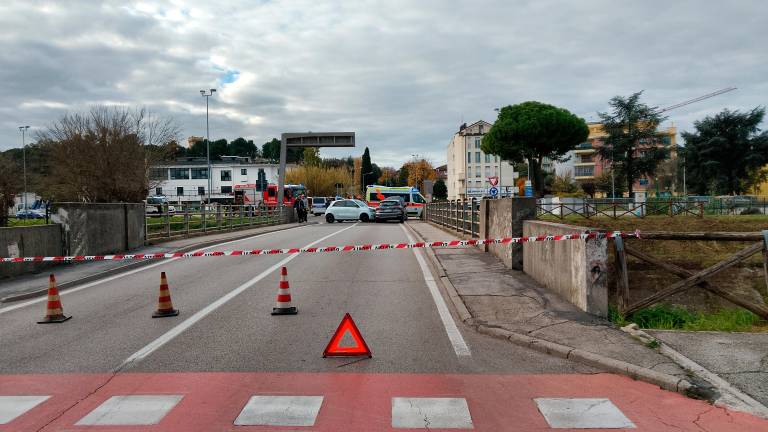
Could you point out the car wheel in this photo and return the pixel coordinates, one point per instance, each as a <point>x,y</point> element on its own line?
<point>402,219</point>
<point>364,217</point>
<point>329,218</point>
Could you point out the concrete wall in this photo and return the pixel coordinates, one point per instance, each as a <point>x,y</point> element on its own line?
<point>575,269</point>
<point>504,218</point>
<point>92,229</point>
<point>36,240</point>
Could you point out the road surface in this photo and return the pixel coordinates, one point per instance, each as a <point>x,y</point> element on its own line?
<point>226,363</point>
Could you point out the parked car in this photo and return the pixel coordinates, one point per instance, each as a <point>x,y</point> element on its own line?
<point>155,205</point>
<point>390,209</point>
<point>30,214</point>
<point>349,209</point>
<point>318,206</point>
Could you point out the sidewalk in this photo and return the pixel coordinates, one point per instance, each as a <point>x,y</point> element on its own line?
<point>75,273</point>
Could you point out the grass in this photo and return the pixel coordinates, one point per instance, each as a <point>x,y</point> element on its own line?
<point>13,222</point>
<point>668,317</point>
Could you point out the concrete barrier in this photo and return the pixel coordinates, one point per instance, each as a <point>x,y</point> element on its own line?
<point>95,228</point>
<point>576,270</point>
<point>504,218</point>
<point>35,240</point>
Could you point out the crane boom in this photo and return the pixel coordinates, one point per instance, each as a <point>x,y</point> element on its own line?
<point>700,98</point>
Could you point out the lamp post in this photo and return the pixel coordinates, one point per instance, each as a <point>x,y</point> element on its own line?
<point>23,130</point>
<point>208,141</point>
<point>365,189</point>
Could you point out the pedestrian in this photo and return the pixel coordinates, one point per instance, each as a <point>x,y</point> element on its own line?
<point>301,208</point>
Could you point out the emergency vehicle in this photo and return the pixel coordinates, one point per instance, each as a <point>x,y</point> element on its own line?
<point>290,193</point>
<point>414,201</point>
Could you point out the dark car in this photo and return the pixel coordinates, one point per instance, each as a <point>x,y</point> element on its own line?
<point>390,209</point>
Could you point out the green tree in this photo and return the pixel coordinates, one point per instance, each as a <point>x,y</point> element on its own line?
<point>440,190</point>
<point>218,149</point>
<point>312,156</point>
<point>603,184</point>
<point>632,146</point>
<point>271,150</point>
<point>376,174</point>
<point>241,147</point>
<point>366,170</point>
<point>9,186</point>
<point>726,153</point>
<point>402,176</point>
<point>532,131</point>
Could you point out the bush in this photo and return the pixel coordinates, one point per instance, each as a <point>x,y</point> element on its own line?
<point>751,211</point>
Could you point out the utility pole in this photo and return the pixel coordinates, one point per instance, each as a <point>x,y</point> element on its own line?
<point>208,141</point>
<point>23,130</point>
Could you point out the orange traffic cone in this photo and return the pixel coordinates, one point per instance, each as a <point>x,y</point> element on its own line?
<point>164,304</point>
<point>284,297</point>
<point>53,311</point>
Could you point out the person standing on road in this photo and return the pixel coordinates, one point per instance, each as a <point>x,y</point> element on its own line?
<point>301,209</point>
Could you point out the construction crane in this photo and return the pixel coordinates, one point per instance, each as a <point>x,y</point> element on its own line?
<point>694,100</point>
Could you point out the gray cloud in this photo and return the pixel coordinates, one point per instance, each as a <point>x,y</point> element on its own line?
<point>402,74</point>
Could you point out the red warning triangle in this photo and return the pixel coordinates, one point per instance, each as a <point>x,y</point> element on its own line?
<point>360,349</point>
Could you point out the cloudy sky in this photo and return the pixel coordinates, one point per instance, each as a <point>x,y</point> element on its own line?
<point>402,74</point>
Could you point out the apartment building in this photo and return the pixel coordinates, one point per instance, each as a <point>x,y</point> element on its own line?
<point>469,168</point>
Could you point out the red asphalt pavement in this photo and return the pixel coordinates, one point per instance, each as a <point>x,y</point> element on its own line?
<point>358,402</point>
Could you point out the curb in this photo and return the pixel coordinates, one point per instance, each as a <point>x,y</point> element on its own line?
<point>665,381</point>
<point>106,273</point>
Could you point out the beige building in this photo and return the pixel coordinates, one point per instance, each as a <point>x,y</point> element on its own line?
<point>469,167</point>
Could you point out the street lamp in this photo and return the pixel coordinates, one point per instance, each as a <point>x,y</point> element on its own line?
<point>365,174</point>
<point>208,141</point>
<point>23,130</point>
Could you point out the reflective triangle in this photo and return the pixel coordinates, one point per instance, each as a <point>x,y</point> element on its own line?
<point>359,349</point>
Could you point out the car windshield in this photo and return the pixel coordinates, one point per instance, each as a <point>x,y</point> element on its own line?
<point>318,200</point>
<point>389,203</point>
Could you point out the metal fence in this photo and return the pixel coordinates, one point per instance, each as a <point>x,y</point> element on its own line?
<point>627,208</point>
<point>189,219</point>
<point>460,215</point>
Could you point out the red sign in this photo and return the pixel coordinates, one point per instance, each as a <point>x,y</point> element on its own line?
<point>360,349</point>
<point>493,180</point>
<point>245,186</point>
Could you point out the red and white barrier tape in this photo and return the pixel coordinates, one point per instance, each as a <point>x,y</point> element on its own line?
<point>347,248</point>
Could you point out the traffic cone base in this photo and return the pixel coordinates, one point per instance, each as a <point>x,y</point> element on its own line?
<point>164,304</point>
<point>54,319</point>
<point>293,310</point>
<point>283,306</point>
<point>54,314</point>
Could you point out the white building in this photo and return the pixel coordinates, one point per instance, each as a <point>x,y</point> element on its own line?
<point>469,167</point>
<point>186,179</point>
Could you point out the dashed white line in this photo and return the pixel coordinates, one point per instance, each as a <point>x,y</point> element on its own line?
<point>202,313</point>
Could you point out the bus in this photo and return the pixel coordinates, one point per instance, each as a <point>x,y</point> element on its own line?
<point>414,201</point>
<point>290,193</point>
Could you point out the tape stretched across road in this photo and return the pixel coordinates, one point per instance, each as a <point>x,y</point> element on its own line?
<point>346,248</point>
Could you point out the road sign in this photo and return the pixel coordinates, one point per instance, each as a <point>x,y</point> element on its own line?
<point>528,188</point>
<point>347,326</point>
<point>493,192</point>
<point>493,180</point>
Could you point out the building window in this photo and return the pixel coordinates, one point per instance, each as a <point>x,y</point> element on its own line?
<point>158,191</point>
<point>200,173</point>
<point>179,173</point>
<point>469,157</point>
<point>158,174</point>
<point>477,143</point>
<point>487,171</point>
<point>201,190</point>
<point>477,172</point>
<point>469,171</point>
<point>477,157</point>
<point>495,170</point>
<point>480,128</point>
<point>584,171</point>
<point>180,190</point>
<point>487,158</point>
<point>226,175</point>
<point>226,189</point>
<point>243,171</point>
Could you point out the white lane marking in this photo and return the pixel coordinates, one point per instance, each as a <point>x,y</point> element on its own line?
<point>121,275</point>
<point>428,413</point>
<point>280,411</point>
<point>131,410</point>
<point>14,406</point>
<point>199,315</point>
<point>460,347</point>
<point>578,413</point>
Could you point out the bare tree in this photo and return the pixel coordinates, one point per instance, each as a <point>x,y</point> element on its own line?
<point>9,186</point>
<point>105,155</point>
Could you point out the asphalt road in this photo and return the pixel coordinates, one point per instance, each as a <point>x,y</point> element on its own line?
<point>226,362</point>
<point>384,291</point>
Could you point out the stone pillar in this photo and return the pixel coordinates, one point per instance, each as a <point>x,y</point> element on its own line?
<point>523,208</point>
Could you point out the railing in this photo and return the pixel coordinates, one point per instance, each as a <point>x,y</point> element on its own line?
<point>190,219</point>
<point>616,210</point>
<point>460,215</point>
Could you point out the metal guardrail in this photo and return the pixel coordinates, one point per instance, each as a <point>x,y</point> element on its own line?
<point>626,208</point>
<point>188,219</point>
<point>460,215</point>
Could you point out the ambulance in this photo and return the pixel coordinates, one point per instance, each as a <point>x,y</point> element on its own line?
<point>414,201</point>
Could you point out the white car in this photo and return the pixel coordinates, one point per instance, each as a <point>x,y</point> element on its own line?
<point>349,209</point>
